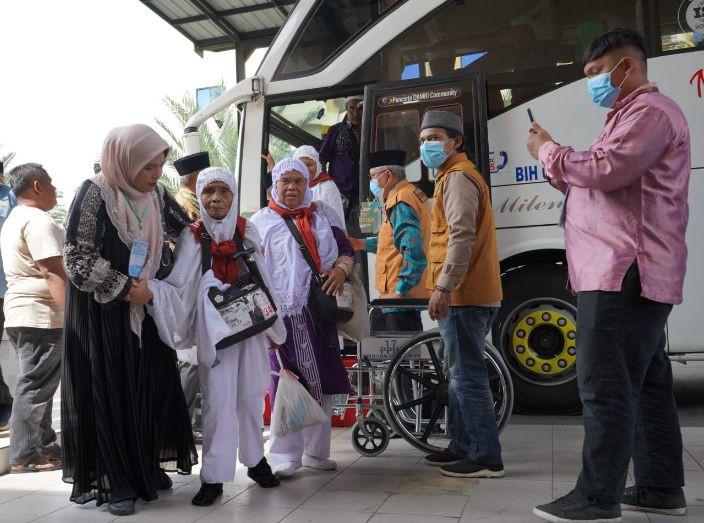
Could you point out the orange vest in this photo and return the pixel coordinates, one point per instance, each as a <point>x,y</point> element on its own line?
<point>482,283</point>
<point>388,260</point>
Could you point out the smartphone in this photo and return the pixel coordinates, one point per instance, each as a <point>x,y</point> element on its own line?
<point>530,116</point>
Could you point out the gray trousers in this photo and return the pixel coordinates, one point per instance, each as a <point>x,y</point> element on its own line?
<point>190,383</point>
<point>5,396</point>
<point>39,371</point>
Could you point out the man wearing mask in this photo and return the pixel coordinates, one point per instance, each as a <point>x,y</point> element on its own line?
<point>625,216</point>
<point>463,275</point>
<point>339,156</point>
<point>188,168</point>
<point>402,242</point>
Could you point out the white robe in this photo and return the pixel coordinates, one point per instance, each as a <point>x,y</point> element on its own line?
<point>328,193</point>
<point>233,380</point>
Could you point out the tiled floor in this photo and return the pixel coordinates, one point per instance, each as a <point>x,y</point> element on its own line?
<point>541,461</point>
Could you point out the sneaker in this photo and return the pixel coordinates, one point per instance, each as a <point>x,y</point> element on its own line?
<point>659,501</point>
<point>286,469</point>
<point>207,494</point>
<point>318,463</point>
<point>445,457</point>
<point>575,507</point>
<point>122,508</point>
<point>263,475</point>
<point>468,469</point>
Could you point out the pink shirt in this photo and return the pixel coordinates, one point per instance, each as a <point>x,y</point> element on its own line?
<point>627,198</point>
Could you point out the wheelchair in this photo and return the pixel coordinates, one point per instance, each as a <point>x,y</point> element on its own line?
<point>401,388</point>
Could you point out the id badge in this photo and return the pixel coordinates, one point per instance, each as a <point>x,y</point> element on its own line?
<point>4,208</point>
<point>138,257</point>
<point>370,217</point>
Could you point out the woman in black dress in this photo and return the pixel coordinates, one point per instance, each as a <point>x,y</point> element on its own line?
<point>123,415</point>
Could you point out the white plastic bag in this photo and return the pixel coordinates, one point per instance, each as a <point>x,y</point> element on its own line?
<point>294,408</point>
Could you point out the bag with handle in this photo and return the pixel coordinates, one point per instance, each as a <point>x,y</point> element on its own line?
<point>294,407</point>
<point>322,306</point>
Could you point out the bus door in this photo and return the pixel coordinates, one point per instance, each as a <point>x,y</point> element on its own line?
<point>394,111</point>
<point>392,116</point>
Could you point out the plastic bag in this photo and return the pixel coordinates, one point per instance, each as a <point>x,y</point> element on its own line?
<point>294,407</point>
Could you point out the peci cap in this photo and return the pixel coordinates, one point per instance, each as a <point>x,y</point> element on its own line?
<point>442,119</point>
<point>389,157</point>
<point>192,162</point>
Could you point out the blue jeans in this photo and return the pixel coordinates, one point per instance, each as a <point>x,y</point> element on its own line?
<point>472,418</point>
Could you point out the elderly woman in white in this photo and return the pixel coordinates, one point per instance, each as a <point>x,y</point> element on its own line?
<point>322,185</point>
<point>233,380</point>
<point>311,350</point>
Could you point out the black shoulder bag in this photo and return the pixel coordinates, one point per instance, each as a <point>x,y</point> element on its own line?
<point>247,306</point>
<point>322,306</point>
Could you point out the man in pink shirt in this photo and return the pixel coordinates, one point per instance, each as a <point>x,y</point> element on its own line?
<point>625,215</point>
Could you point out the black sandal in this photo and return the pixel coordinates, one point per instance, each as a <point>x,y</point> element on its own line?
<point>263,475</point>
<point>33,467</point>
<point>207,494</point>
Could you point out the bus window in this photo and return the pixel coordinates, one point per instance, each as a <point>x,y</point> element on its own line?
<point>333,25</point>
<point>525,47</point>
<point>400,130</point>
<point>681,25</point>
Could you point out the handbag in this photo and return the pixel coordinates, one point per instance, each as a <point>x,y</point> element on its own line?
<point>246,306</point>
<point>357,328</point>
<point>322,306</point>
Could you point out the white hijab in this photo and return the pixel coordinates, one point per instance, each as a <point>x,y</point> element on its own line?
<point>308,151</point>
<point>285,165</point>
<point>219,230</point>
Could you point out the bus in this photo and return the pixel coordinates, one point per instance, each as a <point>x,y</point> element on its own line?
<point>489,61</point>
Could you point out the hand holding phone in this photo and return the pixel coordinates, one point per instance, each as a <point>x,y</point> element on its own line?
<point>532,120</point>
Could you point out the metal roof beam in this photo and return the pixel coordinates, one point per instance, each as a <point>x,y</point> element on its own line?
<point>233,11</point>
<point>277,5</point>
<point>251,39</point>
<point>163,16</point>
<point>221,23</point>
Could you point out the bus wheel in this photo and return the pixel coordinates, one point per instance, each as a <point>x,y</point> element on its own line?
<point>536,333</point>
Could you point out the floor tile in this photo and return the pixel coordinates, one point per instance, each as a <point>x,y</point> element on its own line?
<point>382,465</point>
<point>424,504</point>
<point>285,496</point>
<point>365,483</point>
<point>87,512</point>
<point>33,505</point>
<point>695,514</point>
<point>304,515</point>
<point>406,518</point>
<point>230,512</point>
<point>346,500</point>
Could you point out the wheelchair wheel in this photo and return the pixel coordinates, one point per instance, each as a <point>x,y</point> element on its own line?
<point>370,437</point>
<point>416,391</point>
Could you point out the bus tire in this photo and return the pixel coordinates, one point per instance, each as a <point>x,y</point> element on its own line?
<point>535,332</point>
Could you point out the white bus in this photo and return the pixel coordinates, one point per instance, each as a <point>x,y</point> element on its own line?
<point>488,60</point>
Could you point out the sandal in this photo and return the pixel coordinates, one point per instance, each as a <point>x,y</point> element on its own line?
<point>33,467</point>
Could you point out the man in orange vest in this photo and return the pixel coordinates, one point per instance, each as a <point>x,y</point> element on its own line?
<point>402,243</point>
<point>463,275</point>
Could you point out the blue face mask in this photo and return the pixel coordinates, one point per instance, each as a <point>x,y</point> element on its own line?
<point>375,189</point>
<point>433,154</point>
<point>601,91</point>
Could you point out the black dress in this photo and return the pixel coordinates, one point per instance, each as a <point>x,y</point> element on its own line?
<point>123,414</point>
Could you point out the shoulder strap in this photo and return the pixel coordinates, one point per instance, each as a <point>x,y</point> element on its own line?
<point>205,258</point>
<point>301,245</point>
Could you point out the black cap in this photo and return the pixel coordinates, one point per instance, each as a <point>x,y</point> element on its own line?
<point>389,157</point>
<point>192,162</point>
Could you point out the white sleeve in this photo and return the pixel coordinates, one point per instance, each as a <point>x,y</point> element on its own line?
<point>330,195</point>
<point>277,332</point>
<point>174,305</point>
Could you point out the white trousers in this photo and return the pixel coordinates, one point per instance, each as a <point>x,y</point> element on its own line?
<point>232,409</point>
<point>313,441</point>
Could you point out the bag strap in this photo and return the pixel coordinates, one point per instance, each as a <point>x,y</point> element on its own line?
<point>301,245</point>
<point>205,256</point>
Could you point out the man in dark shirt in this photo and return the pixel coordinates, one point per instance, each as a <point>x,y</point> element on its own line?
<point>339,152</point>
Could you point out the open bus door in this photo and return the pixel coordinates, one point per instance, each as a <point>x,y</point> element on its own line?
<point>394,111</point>
<point>392,116</point>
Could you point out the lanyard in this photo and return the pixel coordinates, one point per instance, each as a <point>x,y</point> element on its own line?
<point>139,218</point>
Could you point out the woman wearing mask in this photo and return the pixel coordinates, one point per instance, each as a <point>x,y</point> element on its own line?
<point>123,416</point>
